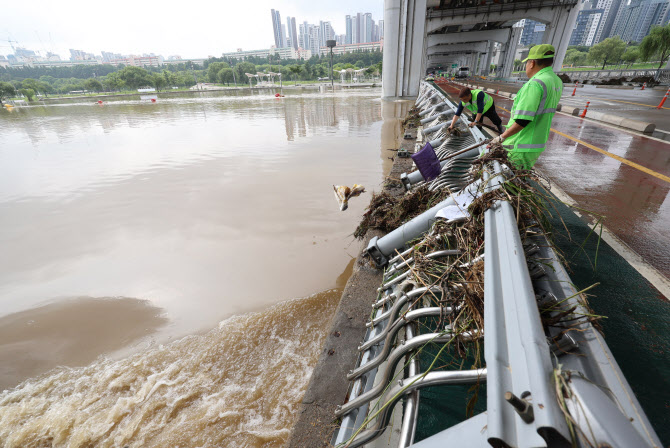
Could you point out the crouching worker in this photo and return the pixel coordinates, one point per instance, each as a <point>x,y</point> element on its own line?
<point>480,104</point>
<point>533,110</point>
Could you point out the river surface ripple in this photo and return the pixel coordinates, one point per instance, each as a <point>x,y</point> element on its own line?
<point>154,256</point>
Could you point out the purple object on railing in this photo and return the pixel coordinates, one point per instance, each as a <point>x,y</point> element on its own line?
<point>427,162</point>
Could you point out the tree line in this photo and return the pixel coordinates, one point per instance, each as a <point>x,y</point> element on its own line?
<point>33,81</point>
<point>654,47</point>
<point>614,51</point>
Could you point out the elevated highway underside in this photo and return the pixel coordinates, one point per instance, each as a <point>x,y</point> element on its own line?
<point>424,34</point>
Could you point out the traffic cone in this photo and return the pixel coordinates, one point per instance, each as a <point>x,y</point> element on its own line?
<point>587,106</point>
<point>663,100</point>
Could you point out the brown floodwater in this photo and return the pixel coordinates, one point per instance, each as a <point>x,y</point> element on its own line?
<point>169,270</point>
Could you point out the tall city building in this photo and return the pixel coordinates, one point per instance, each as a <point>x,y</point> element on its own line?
<point>292,35</point>
<point>284,36</point>
<point>360,34</point>
<point>303,37</point>
<point>325,33</point>
<point>636,19</point>
<point>361,28</point>
<point>314,39</point>
<point>367,27</point>
<point>587,24</point>
<point>277,28</point>
<point>610,10</point>
<point>532,33</point>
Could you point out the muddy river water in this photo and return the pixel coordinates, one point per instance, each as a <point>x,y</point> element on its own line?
<point>168,270</point>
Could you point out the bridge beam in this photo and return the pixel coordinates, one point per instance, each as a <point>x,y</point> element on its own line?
<point>404,43</point>
<point>471,36</point>
<point>446,49</point>
<point>541,15</point>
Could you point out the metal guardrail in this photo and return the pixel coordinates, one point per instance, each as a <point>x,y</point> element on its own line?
<point>661,76</point>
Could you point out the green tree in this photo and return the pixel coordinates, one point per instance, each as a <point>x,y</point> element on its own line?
<point>213,70</point>
<point>93,84</point>
<point>28,93</point>
<point>242,68</point>
<point>30,83</point>
<point>170,79</point>
<point>113,81</point>
<point>308,69</point>
<point>6,90</point>
<point>295,71</point>
<point>611,49</point>
<point>158,81</point>
<point>631,55</point>
<point>225,76</point>
<point>575,57</point>
<point>135,77</point>
<point>656,43</point>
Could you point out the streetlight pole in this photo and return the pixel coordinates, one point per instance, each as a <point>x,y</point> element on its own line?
<point>330,44</point>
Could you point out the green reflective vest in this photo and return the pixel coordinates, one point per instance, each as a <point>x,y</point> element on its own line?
<point>536,102</point>
<point>472,105</point>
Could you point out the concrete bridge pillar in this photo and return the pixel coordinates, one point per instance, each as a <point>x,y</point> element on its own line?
<point>404,42</point>
<point>507,57</point>
<point>558,31</point>
<point>489,58</point>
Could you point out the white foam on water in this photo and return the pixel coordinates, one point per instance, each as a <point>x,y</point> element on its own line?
<point>238,385</point>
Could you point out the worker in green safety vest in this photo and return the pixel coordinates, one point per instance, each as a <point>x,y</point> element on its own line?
<point>480,104</point>
<point>533,110</point>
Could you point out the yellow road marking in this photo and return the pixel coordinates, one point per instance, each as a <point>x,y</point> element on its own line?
<point>609,154</point>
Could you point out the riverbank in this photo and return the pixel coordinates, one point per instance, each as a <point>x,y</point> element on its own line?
<point>108,95</point>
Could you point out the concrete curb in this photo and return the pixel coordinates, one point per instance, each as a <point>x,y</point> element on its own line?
<point>574,111</point>
<point>615,87</point>
<point>615,120</point>
<point>623,122</point>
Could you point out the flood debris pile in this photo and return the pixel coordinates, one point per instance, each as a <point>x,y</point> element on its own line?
<point>387,212</point>
<point>412,119</point>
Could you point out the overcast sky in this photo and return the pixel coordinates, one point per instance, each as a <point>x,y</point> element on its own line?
<point>153,26</point>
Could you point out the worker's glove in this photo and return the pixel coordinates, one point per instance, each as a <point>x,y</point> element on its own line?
<point>496,141</point>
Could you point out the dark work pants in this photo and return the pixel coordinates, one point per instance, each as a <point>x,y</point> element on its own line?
<point>492,115</point>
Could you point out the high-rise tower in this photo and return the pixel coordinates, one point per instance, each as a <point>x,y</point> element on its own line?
<point>276,27</point>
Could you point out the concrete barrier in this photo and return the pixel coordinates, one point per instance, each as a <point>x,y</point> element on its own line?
<point>639,126</point>
<point>623,122</point>
<point>615,87</point>
<point>574,111</point>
